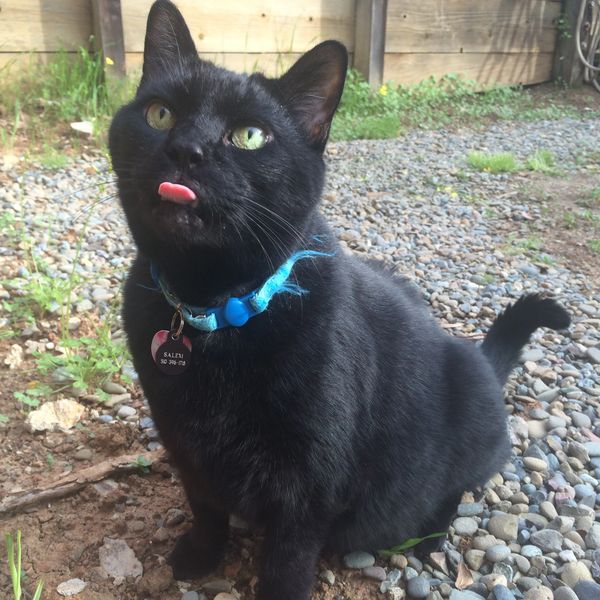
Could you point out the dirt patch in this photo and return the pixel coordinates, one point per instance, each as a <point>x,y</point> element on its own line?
<point>569,229</point>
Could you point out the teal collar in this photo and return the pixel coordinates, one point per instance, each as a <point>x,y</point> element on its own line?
<point>237,311</point>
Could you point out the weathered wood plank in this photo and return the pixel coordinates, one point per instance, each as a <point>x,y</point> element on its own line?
<point>369,39</point>
<point>44,25</point>
<point>270,63</point>
<point>108,35</point>
<point>568,67</point>
<point>250,26</point>
<point>433,26</point>
<point>487,69</point>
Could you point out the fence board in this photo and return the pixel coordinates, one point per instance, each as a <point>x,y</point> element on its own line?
<point>432,26</point>
<point>44,25</point>
<point>487,69</point>
<point>268,26</point>
<point>270,63</point>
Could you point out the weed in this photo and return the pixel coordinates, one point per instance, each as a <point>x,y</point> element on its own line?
<point>51,158</point>
<point>14,567</point>
<point>594,246</point>
<point>88,361</point>
<point>50,459</point>
<point>546,259</point>
<point>3,418</point>
<point>143,464</point>
<point>543,161</point>
<point>502,162</point>
<point>570,220</point>
<point>595,194</point>
<point>32,396</point>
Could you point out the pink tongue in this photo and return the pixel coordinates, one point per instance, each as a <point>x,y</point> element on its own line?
<point>174,192</point>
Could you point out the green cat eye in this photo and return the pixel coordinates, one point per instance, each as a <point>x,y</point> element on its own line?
<point>249,137</point>
<point>159,116</point>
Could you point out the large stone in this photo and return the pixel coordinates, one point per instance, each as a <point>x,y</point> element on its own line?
<point>587,590</point>
<point>573,573</point>
<point>549,540</point>
<point>592,539</point>
<point>59,415</point>
<point>564,593</point>
<point>504,527</point>
<point>465,526</point>
<point>539,593</point>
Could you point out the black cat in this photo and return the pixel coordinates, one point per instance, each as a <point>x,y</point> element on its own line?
<point>339,416</point>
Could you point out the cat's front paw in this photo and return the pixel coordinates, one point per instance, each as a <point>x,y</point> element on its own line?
<point>191,559</point>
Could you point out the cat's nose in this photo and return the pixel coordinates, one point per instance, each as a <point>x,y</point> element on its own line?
<point>185,153</point>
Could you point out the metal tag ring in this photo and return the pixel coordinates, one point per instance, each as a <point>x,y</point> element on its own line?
<point>176,331</point>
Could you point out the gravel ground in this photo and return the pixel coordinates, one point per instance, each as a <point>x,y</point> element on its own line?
<point>415,203</point>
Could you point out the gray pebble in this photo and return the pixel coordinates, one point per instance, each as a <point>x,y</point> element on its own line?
<point>417,587</point>
<point>358,560</point>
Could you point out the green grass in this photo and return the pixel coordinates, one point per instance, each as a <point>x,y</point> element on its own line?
<point>50,158</point>
<point>570,220</point>
<point>594,246</point>
<point>15,568</point>
<point>543,161</point>
<point>502,162</point>
<point>70,87</point>
<point>88,361</point>
<point>433,103</point>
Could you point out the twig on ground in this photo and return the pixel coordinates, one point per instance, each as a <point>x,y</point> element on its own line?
<point>77,480</point>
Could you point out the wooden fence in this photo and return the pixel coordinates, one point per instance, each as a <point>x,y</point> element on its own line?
<point>491,41</point>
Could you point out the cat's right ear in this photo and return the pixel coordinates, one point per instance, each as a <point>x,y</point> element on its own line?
<point>169,44</point>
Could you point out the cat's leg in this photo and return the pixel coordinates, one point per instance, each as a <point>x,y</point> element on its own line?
<point>199,550</point>
<point>437,524</point>
<point>290,555</point>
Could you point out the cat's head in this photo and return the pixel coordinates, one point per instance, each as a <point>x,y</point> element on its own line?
<point>248,147</point>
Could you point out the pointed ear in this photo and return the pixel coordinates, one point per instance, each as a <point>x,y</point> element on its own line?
<point>312,88</point>
<point>168,40</point>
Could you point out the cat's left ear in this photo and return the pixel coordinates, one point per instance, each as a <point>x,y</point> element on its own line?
<point>312,88</point>
<point>168,43</point>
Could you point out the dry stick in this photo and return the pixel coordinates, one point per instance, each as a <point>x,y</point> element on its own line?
<point>77,480</point>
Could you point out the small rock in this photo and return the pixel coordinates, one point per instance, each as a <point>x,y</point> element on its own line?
<point>504,527</point>
<point>216,586</point>
<point>126,411</point>
<point>593,355</point>
<point>174,517</point>
<point>155,581</point>
<point>592,539</point>
<point>358,560</point>
<point>475,558</point>
<point>535,464</point>
<point>470,509</point>
<point>161,535</point>
<point>118,560</point>
<point>501,592</point>
<point>327,576</point>
<point>399,561</point>
<point>418,587</point>
<point>465,526</point>
<point>59,415</point>
<point>71,587</point>
<point>191,595</point>
<point>375,572</point>
<point>464,595</point>
<point>110,387</point>
<point>497,553</point>
<point>225,596</point>
<point>83,454</point>
<point>539,593</point>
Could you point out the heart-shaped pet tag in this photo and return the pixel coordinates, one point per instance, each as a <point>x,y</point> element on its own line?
<point>171,355</point>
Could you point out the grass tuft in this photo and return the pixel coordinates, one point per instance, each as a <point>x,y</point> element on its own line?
<point>543,161</point>
<point>502,162</point>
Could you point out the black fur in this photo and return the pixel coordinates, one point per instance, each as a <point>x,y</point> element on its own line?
<point>340,420</point>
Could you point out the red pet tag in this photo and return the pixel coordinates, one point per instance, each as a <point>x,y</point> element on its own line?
<point>171,351</point>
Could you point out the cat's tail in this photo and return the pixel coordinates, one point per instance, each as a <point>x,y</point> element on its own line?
<point>512,329</point>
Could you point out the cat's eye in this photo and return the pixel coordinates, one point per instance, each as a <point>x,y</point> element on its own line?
<point>249,137</point>
<point>159,116</point>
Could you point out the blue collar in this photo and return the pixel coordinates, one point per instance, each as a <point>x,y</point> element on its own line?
<point>237,311</point>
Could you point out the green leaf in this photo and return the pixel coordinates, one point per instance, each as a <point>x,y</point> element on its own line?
<point>3,418</point>
<point>38,591</point>
<point>410,543</point>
